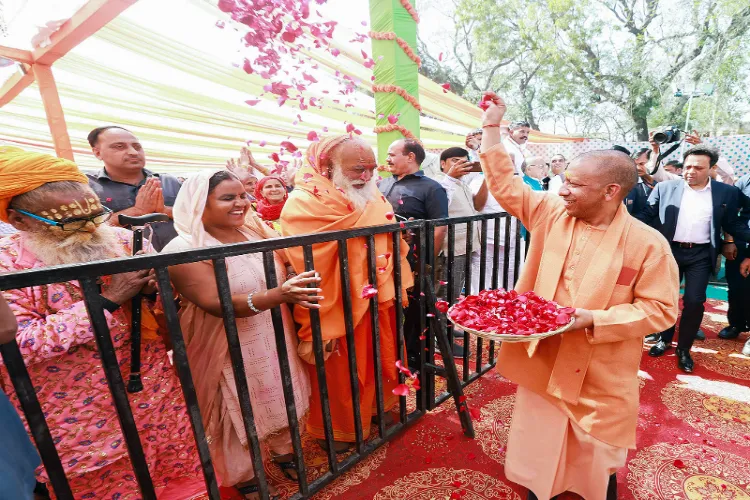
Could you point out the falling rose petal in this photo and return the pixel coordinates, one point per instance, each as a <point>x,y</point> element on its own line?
<point>307,177</point>
<point>275,157</point>
<point>325,129</point>
<point>369,291</point>
<point>440,57</point>
<point>444,283</point>
<point>442,306</point>
<point>402,368</point>
<point>252,102</point>
<point>389,215</point>
<point>288,146</point>
<point>335,52</point>
<point>401,225</point>
<point>364,54</point>
<point>400,201</point>
<point>430,315</point>
<point>262,143</point>
<point>312,136</point>
<point>679,464</point>
<point>446,87</point>
<point>392,119</point>
<point>349,128</point>
<point>381,116</point>
<point>401,390</point>
<point>369,64</point>
<point>220,24</point>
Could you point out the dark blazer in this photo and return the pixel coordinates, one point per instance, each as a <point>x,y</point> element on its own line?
<point>663,208</point>
<point>637,198</point>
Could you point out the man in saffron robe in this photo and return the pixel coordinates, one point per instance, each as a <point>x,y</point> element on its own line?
<point>577,402</point>
<point>336,191</point>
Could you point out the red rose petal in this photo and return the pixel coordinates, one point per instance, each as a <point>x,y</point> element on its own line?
<point>401,390</point>
<point>312,136</point>
<point>369,291</point>
<point>252,102</point>
<point>442,306</point>
<point>679,464</point>
<point>389,215</point>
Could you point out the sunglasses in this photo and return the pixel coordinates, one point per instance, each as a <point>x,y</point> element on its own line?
<point>76,224</point>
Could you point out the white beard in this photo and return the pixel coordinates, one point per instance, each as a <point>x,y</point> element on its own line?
<point>75,248</point>
<point>359,192</point>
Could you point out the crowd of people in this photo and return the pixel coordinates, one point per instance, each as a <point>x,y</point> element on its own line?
<point>577,224</point>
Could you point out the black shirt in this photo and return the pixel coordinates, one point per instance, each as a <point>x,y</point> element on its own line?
<point>118,196</point>
<point>415,195</point>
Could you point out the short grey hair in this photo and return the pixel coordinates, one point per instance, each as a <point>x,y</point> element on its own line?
<point>518,124</point>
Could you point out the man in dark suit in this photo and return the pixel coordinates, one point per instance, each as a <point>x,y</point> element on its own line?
<point>637,198</point>
<point>738,314</point>
<point>691,213</point>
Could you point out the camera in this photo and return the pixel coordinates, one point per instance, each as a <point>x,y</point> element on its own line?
<point>665,135</point>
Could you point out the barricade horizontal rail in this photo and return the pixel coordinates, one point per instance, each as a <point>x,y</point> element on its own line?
<point>88,274</point>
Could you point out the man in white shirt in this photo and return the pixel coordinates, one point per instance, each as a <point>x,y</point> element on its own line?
<point>491,206</point>
<point>558,164</point>
<point>691,214</point>
<point>515,143</point>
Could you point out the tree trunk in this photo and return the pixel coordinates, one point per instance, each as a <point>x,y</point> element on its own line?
<point>641,127</point>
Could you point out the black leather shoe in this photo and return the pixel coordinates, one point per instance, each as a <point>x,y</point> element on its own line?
<point>654,337</point>
<point>684,361</point>
<point>658,349</point>
<point>729,333</point>
<point>612,487</point>
<point>700,335</point>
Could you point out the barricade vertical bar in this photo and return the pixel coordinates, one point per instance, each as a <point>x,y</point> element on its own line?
<point>375,325</point>
<point>32,410</point>
<point>425,398</point>
<point>495,269</point>
<point>269,267</point>
<point>238,369</point>
<point>451,276</point>
<point>182,366</point>
<point>350,342</point>
<point>482,271</point>
<point>116,385</point>
<point>397,279</point>
<point>517,263</point>
<point>506,256</point>
<point>320,369</point>
<point>496,253</point>
<point>466,370</point>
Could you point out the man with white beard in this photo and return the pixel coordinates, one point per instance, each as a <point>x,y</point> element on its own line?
<point>336,191</point>
<point>61,221</point>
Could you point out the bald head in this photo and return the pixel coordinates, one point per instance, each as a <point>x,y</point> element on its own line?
<point>610,167</point>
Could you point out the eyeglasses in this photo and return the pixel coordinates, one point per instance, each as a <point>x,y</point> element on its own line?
<point>76,224</point>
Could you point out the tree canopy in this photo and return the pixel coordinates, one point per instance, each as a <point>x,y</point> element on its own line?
<point>607,68</point>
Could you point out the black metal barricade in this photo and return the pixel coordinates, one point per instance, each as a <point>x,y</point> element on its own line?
<point>88,275</point>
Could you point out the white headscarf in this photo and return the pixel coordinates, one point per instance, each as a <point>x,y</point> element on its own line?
<point>191,203</point>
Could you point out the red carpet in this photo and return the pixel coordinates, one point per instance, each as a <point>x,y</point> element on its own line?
<point>693,438</point>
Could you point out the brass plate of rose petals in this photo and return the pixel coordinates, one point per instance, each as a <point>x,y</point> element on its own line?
<point>509,337</point>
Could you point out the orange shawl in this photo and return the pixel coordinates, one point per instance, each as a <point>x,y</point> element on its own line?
<point>23,171</point>
<point>316,205</point>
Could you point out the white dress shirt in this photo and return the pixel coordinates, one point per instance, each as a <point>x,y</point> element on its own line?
<point>694,219</point>
<point>724,172</point>
<point>555,183</point>
<point>516,151</point>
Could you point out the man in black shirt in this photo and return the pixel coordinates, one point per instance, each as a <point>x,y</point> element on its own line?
<point>414,196</point>
<point>125,187</point>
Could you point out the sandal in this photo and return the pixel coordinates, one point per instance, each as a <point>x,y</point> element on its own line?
<point>348,446</point>
<point>286,467</point>
<point>252,488</point>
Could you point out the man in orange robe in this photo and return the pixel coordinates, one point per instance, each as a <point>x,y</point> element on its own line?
<point>336,191</point>
<point>577,402</point>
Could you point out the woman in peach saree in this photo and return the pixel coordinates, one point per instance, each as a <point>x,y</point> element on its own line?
<point>213,209</point>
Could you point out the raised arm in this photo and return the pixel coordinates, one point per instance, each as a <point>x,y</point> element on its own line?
<point>509,190</point>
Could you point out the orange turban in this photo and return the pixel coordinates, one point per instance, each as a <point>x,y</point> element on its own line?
<point>23,171</point>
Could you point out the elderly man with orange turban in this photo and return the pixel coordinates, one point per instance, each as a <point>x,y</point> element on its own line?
<point>60,221</point>
<point>337,191</point>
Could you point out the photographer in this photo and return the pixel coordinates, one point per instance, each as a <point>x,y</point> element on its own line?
<point>722,173</point>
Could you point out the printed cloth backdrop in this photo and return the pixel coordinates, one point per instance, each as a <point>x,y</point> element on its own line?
<point>735,148</point>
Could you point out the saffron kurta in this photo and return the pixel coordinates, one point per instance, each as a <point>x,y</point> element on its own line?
<point>628,279</point>
<point>58,346</point>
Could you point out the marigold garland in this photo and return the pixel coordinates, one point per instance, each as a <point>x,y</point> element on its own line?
<point>389,35</point>
<point>395,127</point>
<point>410,9</point>
<point>400,91</point>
